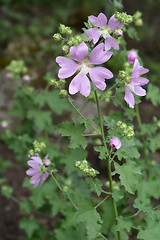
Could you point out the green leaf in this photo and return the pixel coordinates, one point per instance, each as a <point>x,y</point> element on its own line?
<point>29,225</point>
<point>130,175</point>
<point>153,94</point>
<point>128,149</point>
<point>55,102</point>
<point>148,129</point>
<point>41,118</point>
<point>102,152</point>
<point>26,206</point>
<point>7,191</point>
<point>154,142</point>
<point>87,213</point>
<point>70,157</point>
<point>123,226</point>
<point>117,195</point>
<point>75,132</point>
<point>95,185</point>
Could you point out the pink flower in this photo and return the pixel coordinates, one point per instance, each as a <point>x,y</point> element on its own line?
<point>37,170</point>
<point>80,82</point>
<point>104,30</point>
<point>132,55</point>
<point>8,75</point>
<point>4,124</point>
<point>115,143</point>
<point>135,84</point>
<point>26,78</point>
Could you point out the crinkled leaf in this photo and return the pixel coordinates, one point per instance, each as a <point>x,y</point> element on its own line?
<point>129,174</point>
<point>88,214</point>
<point>95,185</point>
<point>153,94</point>
<point>75,132</point>
<point>102,152</point>
<point>154,142</point>
<point>29,225</point>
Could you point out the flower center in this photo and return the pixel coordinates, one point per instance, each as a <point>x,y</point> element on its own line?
<point>84,69</point>
<point>105,33</point>
<point>130,87</point>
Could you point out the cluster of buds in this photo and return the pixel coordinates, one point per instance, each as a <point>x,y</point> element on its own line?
<point>76,40</point>
<point>127,130</point>
<point>88,171</point>
<point>138,19</point>
<point>124,17</point>
<point>38,147</point>
<point>123,78</point>
<point>67,185</point>
<point>57,84</point>
<point>65,30</point>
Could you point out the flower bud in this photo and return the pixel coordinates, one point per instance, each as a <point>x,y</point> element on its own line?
<point>124,17</point>
<point>62,81</point>
<point>139,22</point>
<point>47,163</point>
<point>4,124</point>
<point>123,126</point>
<point>115,143</point>
<point>57,37</point>
<point>132,56</point>
<point>63,93</point>
<point>26,78</point>
<point>119,32</point>
<point>137,15</point>
<point>119,123</point>
<point>65,49</point>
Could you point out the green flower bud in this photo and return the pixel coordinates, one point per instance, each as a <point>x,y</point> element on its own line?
<point>57,37</point>
<point>56,84</point>
<point>137,15</point>
<point>65,49</point>
<point>119,123</point>
<point>31,153</point>
<point>129,136</point>
<point>130,128</point>
<point>68,31</point>
<point>123,17</point>
<point>139,22</point>
<point>62,28</point>
<point>52,82</point>
<point>63,93</point>
<point>158,124</point>
<point>43,169</point>
<point>125,131</point>
<point>123,126</point>
<point>62,81</point>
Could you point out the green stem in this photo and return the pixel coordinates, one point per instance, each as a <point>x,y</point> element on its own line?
<point>101,201</point>
<point>77,110</point>
<point>59,186</point>
<point>142,137</point>
<point>100,234</point>
<point>108,163</point>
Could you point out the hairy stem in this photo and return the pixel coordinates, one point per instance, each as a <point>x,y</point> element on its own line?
<point>108,163</point>
<point>142,137</point>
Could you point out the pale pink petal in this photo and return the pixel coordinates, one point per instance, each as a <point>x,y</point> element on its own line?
<point>46,157</point>
<point>99,21</point>
<point>37,159</point>
<point>115,143</point>
<point>98,56</point>
<point>36,178</point>
<point>139,81</point>
<point>113,23</point>
<point>138,70</point>
<point>80,83</point>
<point>139,91</point>
<point>44,177</point>
<point>32,171</point>
<point>111,42</point>
<point>129,98</point>
<point>94,34</point>
<point>68,67</point>
<point>98,76</point>
<point>79,53</point>
<point>33,163</point>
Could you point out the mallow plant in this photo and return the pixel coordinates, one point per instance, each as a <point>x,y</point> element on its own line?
<point>113,192</point>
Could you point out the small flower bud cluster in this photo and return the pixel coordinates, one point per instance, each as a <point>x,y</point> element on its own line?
<point>38,147</point>
<point>67,185</point>
<point>127,130</point>
<point>124,17</point>
<point>57,37</point>
<point>63,93</point>
<point>65,30</point>
<point>88,171</point>
<point>57,84</point>
<point>137,19</point>
<point>76,40</point>
<point>123,78</point>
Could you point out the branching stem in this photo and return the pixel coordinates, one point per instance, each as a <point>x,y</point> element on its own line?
<point>108,163</point>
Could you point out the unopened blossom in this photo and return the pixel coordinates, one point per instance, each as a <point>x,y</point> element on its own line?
<point>135,84</point>
<point>38,170</point>
<point>8,75</point>
<point>4,124</point>
<point>26,78</point>
<point>81,83</point>
<point>104,30</point>
<point>132,55</point>
<point>115,143</point>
